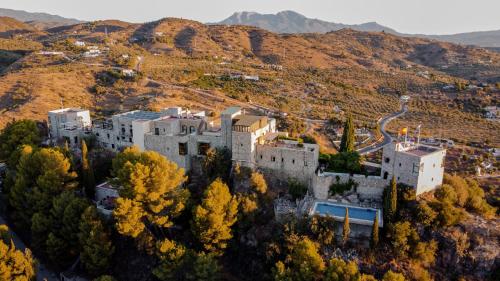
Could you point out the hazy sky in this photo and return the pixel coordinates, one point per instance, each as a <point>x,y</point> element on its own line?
<point>409,16</point>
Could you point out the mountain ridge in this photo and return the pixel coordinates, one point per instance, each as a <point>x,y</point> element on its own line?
<point>293,22</point>
<point>37,19</point>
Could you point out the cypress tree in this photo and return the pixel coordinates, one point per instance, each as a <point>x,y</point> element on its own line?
<point>87,172</point>
<point>347,141</point>
<point>346,230</point>
<point>374,241</point>
<point>390,204</point>
<point>394,197</point>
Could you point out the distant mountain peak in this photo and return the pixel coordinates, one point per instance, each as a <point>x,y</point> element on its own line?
<point>293,22</point>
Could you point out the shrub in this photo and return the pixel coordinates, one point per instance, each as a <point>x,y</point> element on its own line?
<point>425,252</point>
<point>447,194</point>
<point>340,188</point>
<point>345,162</point>
<point>448,214</point>
<point>404,236</point>
<point>296,189</point>
<point>425,214</point>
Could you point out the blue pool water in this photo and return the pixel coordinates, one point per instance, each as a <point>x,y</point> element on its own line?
<point>339,211</point>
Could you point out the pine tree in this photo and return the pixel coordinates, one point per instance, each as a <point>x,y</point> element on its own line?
<point>258,183</point>
<point>214,217</point>
<point>14,264</point>
<point>346,230</point>
<point>96,246</point>
<point>304,262</point>
<point>151,195</point>
<point>14,136</point>
<point>374,238</point>
<point>347,142</point>
<point>41,176</point>
<point>62,244</point>
<point>87,173</point>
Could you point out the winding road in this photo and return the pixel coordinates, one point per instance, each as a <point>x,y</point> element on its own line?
<point>387,137</point>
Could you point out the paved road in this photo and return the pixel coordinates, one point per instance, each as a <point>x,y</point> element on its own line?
<point>42,272</point>
<point>387,137</point>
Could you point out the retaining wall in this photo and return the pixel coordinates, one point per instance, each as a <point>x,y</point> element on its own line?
<point>369,187</point>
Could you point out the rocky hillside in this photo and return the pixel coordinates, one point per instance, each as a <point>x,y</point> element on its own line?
<point>10,26</point>
<point>305,74</point>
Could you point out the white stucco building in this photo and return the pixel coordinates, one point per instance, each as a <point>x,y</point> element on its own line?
<point>69,124</point>
<point>416,165</point>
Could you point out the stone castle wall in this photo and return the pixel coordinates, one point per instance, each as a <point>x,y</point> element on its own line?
<point>369,187</point>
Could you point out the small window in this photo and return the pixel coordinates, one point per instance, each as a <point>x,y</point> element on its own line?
<point>123,130</point>
<point>386,175</point>
<point>241,144</point>
<point>113,145</point>
<point>387,160</point>
<point>398,178</point>
<point>192,129</point>
<point>97,134</point>
<point>117,138</point>
<point>416,168</point>
<point>183,148</point>
<point>305,163</point>
<point>130,139</point>
<point>273,159</point>
<point>184,129</point>
<point>108,136</point>
<point>432,179</point>
<point>399,164</point>
<point>282,160</point>
<point>261,156</point>
<point>293,161</point>
<point>157,131</point>
<point>76,140</point>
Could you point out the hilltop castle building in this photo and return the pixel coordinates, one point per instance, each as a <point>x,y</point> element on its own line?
<point>184,136</point>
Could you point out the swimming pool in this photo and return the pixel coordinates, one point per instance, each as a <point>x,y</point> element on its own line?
<point>356,214</point>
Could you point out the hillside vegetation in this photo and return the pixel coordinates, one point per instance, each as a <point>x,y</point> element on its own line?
<point>309,75</point>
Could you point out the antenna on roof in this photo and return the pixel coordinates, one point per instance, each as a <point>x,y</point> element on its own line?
<point>418,135</point>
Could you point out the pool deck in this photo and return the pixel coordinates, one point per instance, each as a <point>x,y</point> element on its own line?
<point>351,219</point>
